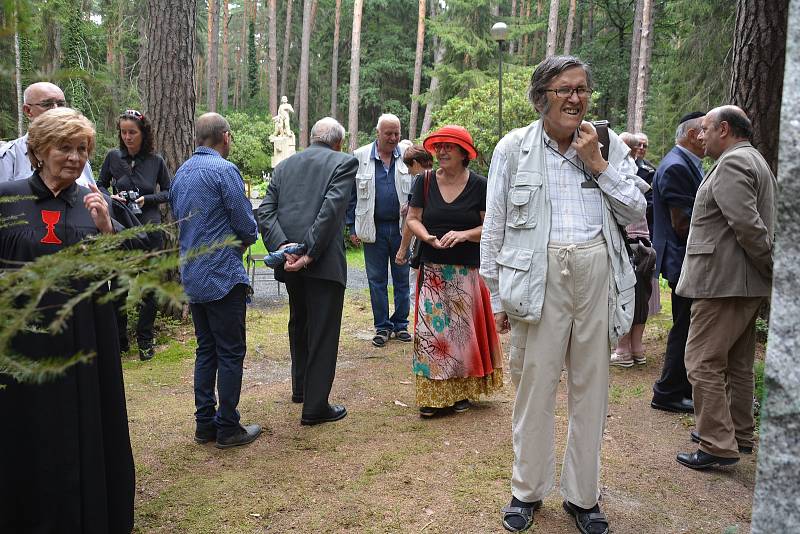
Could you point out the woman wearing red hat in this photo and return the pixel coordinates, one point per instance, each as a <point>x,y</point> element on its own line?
<point>457,354</point>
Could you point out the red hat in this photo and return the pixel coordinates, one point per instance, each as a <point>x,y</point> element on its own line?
<point>451,133</point>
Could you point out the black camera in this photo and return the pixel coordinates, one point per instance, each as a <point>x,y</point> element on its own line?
<point>130,199</point>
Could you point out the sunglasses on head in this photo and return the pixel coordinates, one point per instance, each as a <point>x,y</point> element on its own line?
<point>132,114</point>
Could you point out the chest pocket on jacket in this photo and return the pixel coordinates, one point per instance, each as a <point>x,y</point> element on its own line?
<point>524,199</point>
<point>363,185</point>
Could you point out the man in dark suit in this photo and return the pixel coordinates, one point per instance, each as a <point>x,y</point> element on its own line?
<point>305,204</point>
<point>674,188</point>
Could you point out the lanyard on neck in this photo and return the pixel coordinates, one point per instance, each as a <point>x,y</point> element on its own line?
<point>589,182</point>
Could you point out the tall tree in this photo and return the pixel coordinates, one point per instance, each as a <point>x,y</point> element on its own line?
<point>304,52</point>
<point>213,55</point>
<point>167,77</point>
<point>225,54</point>
<point>337,23</point>
<point>272,55</point>
<point>412,123</point>
<point>636,41</point>
<point>759,50</point>
<point>18,73</point>
<point>433,88</point>
<point>287,38</point>
<point>643,69</point>
<point>570,28</point>
<point>355,71</point>
<point>552,28</point>
<point>252,61</point>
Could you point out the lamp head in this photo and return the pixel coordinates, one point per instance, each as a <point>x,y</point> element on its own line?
<point>499,32</point>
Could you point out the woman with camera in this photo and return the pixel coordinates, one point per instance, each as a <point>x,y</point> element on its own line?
<point>139,178</point>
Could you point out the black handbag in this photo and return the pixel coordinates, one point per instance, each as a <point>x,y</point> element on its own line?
<point>415,259</point>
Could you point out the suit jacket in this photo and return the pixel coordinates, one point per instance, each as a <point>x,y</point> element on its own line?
<point>305,203</point>
<point>729,250</point>
<point>674,186</point>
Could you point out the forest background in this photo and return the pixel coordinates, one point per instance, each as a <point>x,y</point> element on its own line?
<point>429,62</point>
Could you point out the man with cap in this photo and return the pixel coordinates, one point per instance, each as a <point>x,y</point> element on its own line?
<point>383,183</point>
<point>14,163</point>
<point>674,188</point>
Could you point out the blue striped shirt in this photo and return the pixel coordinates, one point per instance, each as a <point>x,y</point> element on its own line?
<point>208,199</point>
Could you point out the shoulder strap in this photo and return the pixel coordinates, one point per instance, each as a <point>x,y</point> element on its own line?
<point>426,185</point>
<point>603,137</point>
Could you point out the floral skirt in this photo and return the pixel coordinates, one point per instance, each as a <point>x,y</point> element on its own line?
<point>457,353</point>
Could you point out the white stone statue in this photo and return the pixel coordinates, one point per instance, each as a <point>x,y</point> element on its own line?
<point>283,139</point>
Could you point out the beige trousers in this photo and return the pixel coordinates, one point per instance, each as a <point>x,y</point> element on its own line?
<point>720,351</point>
<point>573,331</point>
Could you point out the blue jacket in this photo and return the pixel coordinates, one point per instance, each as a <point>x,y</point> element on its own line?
<point>674,186</point>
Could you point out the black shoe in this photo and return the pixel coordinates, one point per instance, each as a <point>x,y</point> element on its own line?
<point>381,338</point>
<point>402,335</point>
<point>297,398</point>
<point>525,513</point>
<point>427,411</point>
<point>334,413</point>
<point>246,434</point>
<point>124,346</point>
<point>461,406</point>
<point>588,522</point>
<point>681,406</point>
<point>743,449</point>
<point>205,434</point>
<point>703,460</point>
<point>146,353</point>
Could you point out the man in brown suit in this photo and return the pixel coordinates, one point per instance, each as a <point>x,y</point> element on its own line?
<point>728,273</point>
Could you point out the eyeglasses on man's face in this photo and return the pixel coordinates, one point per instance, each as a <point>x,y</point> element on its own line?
<point>567,92</point>
<point>51,103</point>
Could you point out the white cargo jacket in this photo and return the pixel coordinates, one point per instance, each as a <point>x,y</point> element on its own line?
<point>516,228</point>
<point>365,190</point>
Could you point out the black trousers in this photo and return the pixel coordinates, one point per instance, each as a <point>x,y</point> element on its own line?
<point>147,317</point>
<point>673,384</point>
<point>315,319</point>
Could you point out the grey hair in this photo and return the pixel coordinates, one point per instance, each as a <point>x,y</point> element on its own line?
<point>683,128</point>
<point>630,139</point>
<point>327,130</point>
<point>387,117</point>
<point>548,69</point>
<point>209,128</point>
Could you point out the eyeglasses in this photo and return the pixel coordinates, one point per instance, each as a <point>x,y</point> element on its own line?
<point>230,134</point>
<point>50,104</point>
<point>566,92</point>
<point>446,147</point>
<point>132,114</point>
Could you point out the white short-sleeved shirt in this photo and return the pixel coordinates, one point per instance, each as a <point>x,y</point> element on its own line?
<point>15,165</point>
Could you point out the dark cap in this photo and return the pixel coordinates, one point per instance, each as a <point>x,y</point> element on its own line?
<point>692,115</point>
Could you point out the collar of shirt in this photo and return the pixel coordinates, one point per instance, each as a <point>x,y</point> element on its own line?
<point>696,160</point>
<point>570,154</point>
<point>375,155</point>
<point>42,192</point>
<point>208,151</point>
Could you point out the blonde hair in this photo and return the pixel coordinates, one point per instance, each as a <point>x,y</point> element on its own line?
<point>55,126</point>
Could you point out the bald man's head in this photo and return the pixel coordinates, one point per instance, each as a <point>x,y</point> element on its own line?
<point>210,131</point>
<point>41,96</point>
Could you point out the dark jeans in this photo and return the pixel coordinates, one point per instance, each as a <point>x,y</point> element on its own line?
<point>376,257</point>
<point>147,308</point>
<point>673,384</point>
<point>221,345</point>
<point>315,319</point>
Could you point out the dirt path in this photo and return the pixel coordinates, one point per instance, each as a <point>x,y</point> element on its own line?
<point>382,468</point>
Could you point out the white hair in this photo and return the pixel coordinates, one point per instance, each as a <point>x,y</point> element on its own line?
<point>387,117</point>
<point>683,128</point>
<point>327,130</point>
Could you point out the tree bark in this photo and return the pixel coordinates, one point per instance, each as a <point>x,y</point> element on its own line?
<point>552,28</point>
<point>272,55</point>
<point>643,68</point>
<point>433,88</point>
<point>636,42</point>
<point>412,123</point>
<point>512,43</point>
<point>579,26</point>
<point>18,76</point>
<point>305,42</point>
<point>213,55</point>
<point>570,28</point>
<point>287,37</point>
<point>335,58</point>
<point>225,53</point>
<point>355,70</point>
<point>759,50</point>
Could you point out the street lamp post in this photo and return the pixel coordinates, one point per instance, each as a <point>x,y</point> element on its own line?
<point>499,33</point>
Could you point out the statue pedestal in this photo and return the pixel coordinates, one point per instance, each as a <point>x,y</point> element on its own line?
<point>283,147</point>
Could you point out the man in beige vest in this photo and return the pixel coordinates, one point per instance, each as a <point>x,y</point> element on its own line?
<point>728,273</point>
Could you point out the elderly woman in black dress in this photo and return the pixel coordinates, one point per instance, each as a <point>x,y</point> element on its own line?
<point>65,456</point>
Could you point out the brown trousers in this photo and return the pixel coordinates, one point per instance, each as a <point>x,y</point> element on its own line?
<point>719,363</point>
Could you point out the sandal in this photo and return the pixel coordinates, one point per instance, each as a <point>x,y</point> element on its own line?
<point>404,336</point>
<point>621,360</point>
<point>585,520</point>
<point>525,512</point>
<point>639,358</point>
<point>381,338</point>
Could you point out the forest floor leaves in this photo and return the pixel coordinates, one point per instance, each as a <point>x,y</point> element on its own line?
<point>382,468</point>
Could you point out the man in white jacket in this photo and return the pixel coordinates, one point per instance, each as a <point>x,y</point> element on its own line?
<point>555,262</point>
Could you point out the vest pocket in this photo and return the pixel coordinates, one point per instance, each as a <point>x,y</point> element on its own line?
<point>362,185</point>
<point>523,200</point>
<point>514,280</point>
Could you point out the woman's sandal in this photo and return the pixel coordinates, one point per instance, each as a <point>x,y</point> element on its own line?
<point>525,512</point>
<point>584,520</point>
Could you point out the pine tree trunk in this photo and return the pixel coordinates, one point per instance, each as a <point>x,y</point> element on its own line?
<point>335,58</point>
<point>287,38</point>
<point>643,68</point>
<point>570,28</point>
<point>511,44</point>
<point>18,76</point>
<point>213,55</point>
<point>759,50</point>
<point>433,88</point>
<point>650,38</point>
<point>272,55</point>
<point>552,28</point>
<point>225,52</point>
<point>636,43</point>
<point>305,42</point>
<point>355,70</point>
<point>579,26</point>
<point>412,123</point>
<point>590,18</point>
<point>167,76</point>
